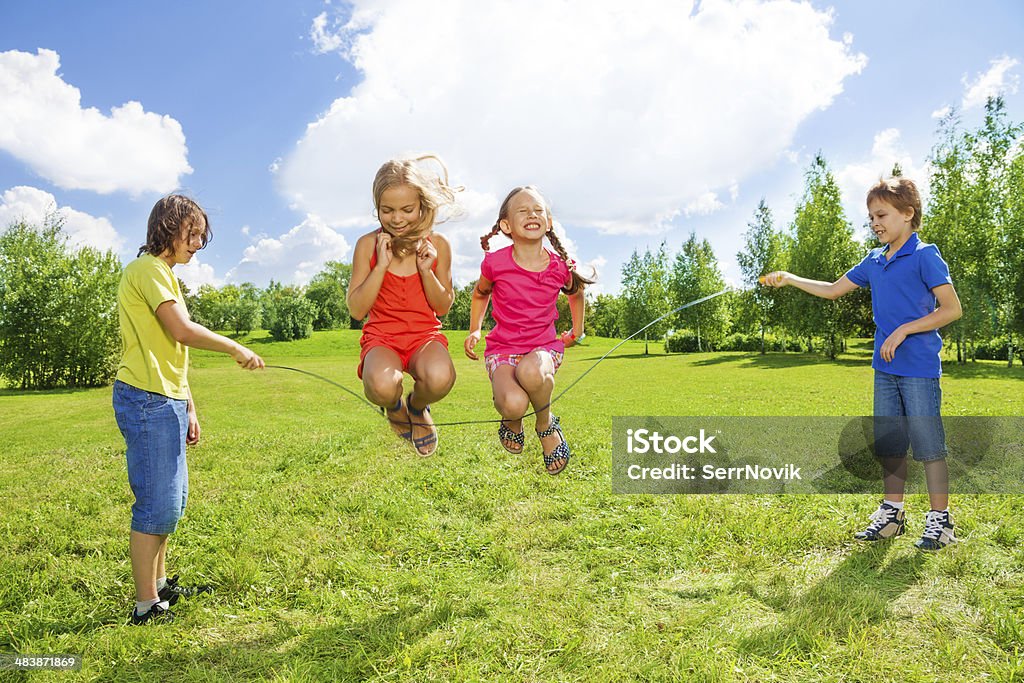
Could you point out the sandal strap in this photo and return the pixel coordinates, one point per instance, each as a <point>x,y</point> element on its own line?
<point>561,452</point>
<point>413,411</point>
<point>555,427</point>
<point>425,440</point>
<point>507,433</point>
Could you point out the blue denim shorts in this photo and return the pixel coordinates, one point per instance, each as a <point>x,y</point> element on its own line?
<point>154,427</point>
<point>907,413</point>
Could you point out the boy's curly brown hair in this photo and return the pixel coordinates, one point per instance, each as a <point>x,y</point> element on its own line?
<point>171,218</point>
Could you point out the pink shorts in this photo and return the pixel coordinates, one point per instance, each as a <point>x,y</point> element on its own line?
<point>493,360</point>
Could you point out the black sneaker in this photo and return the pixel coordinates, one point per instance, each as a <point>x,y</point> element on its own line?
<point>154,615</point>
<point>886,522</point>
<point>938,531</point>
<point>173,590</point>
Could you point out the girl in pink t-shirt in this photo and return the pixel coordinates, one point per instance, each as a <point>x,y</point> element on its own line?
<point>523,351</point>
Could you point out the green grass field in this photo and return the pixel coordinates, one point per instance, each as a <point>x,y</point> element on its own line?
<point>338,554</point>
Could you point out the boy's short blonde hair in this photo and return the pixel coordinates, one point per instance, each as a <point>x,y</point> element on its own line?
<point>900,193</point>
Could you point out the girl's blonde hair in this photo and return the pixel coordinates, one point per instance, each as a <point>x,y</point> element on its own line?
<point>578,281</point>
<point>900,193</point>
<point>433,189</point>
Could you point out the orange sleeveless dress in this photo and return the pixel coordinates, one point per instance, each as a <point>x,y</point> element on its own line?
<point>401,318</point>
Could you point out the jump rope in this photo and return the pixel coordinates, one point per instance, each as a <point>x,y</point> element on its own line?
<point>380,411</point>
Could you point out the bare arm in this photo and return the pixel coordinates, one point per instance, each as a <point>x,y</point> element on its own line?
<point>177,323</point>
<point>364,285</point>
<point>192,437</point>
<point>949,310</point>
<point>825,290</point>
<point>578,309</point>
<point>437,282</point>
<point>477,310</point>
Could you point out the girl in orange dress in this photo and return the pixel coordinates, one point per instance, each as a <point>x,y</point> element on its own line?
<point>401,278</point>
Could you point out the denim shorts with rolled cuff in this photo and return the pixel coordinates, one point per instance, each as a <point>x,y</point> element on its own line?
<point>907,414</point>
<point>154,428</point>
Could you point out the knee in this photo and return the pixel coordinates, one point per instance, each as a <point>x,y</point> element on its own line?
<point>511,403</point>
<point>533,375</point>
<point>383,389</point>
<point>438,380</point>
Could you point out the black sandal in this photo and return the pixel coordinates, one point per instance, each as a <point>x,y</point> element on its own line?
<point>560,452</point>
<point>506,434</point>
<point>423,441</point>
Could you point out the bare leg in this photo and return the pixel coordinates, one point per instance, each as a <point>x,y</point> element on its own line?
<point>936,473</point>
<point>432,368</point>
<point>145,551</point>
<point>536,375</point>
<point>382,384</point>
<point>161,570</point>
<point>511,401</point>
<point>894,479</point>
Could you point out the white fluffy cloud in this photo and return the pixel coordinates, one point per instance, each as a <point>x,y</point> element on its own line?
<point>995,81</point>
<point>293,258</point>
<point>626,115</point>
<point>195,274</point>
<point>856,178</point>
<point>43,124</point>
<point>32,205</point>
<point>325,38</point>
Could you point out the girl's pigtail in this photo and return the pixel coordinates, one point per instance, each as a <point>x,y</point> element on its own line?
<point>578,281</point>
<point>486,239</point>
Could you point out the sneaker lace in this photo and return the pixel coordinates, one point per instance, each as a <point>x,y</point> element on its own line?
<point>879,518</point>
<point>933,525</point>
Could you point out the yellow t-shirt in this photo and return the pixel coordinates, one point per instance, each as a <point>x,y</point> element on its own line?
<point>151,359</point>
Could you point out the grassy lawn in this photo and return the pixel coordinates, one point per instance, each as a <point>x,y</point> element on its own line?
<point>338,554</point>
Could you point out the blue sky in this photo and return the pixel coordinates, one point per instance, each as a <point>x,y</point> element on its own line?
<point>641,123</point>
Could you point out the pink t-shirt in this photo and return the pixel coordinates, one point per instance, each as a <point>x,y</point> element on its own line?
<point>523,303</point>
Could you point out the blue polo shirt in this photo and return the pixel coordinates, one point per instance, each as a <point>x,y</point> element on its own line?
<point>901,291</point>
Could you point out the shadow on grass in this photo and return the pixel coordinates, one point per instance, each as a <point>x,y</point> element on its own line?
<point>782,361</point>
<point>989,370</point>
<point>857,593</point>
<point>626,356</point>
<point>854,357</point>
<point>356,651</point>
<point>256,341</point>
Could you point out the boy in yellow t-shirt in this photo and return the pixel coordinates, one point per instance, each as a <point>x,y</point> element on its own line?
<point>152,401</point>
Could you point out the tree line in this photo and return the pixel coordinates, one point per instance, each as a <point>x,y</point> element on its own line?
<point>58,306</point>
<point>974,214</point>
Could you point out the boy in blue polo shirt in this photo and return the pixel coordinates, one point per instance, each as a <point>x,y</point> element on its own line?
<point>906,277</point>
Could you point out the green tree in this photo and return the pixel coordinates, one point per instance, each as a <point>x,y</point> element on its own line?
<point>695,274</point>
<point>289,314</point>
<point>457,317</point>
<point>970,218</point>
<point>58,309</point>
<point>645,293</point>
<point>823,249</point>
<point>1010,246</point>
<point>761,254</point>
<point>208,307</point>
<point>242,307</point>
<point>327,291</point>
<point>604,320</point>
